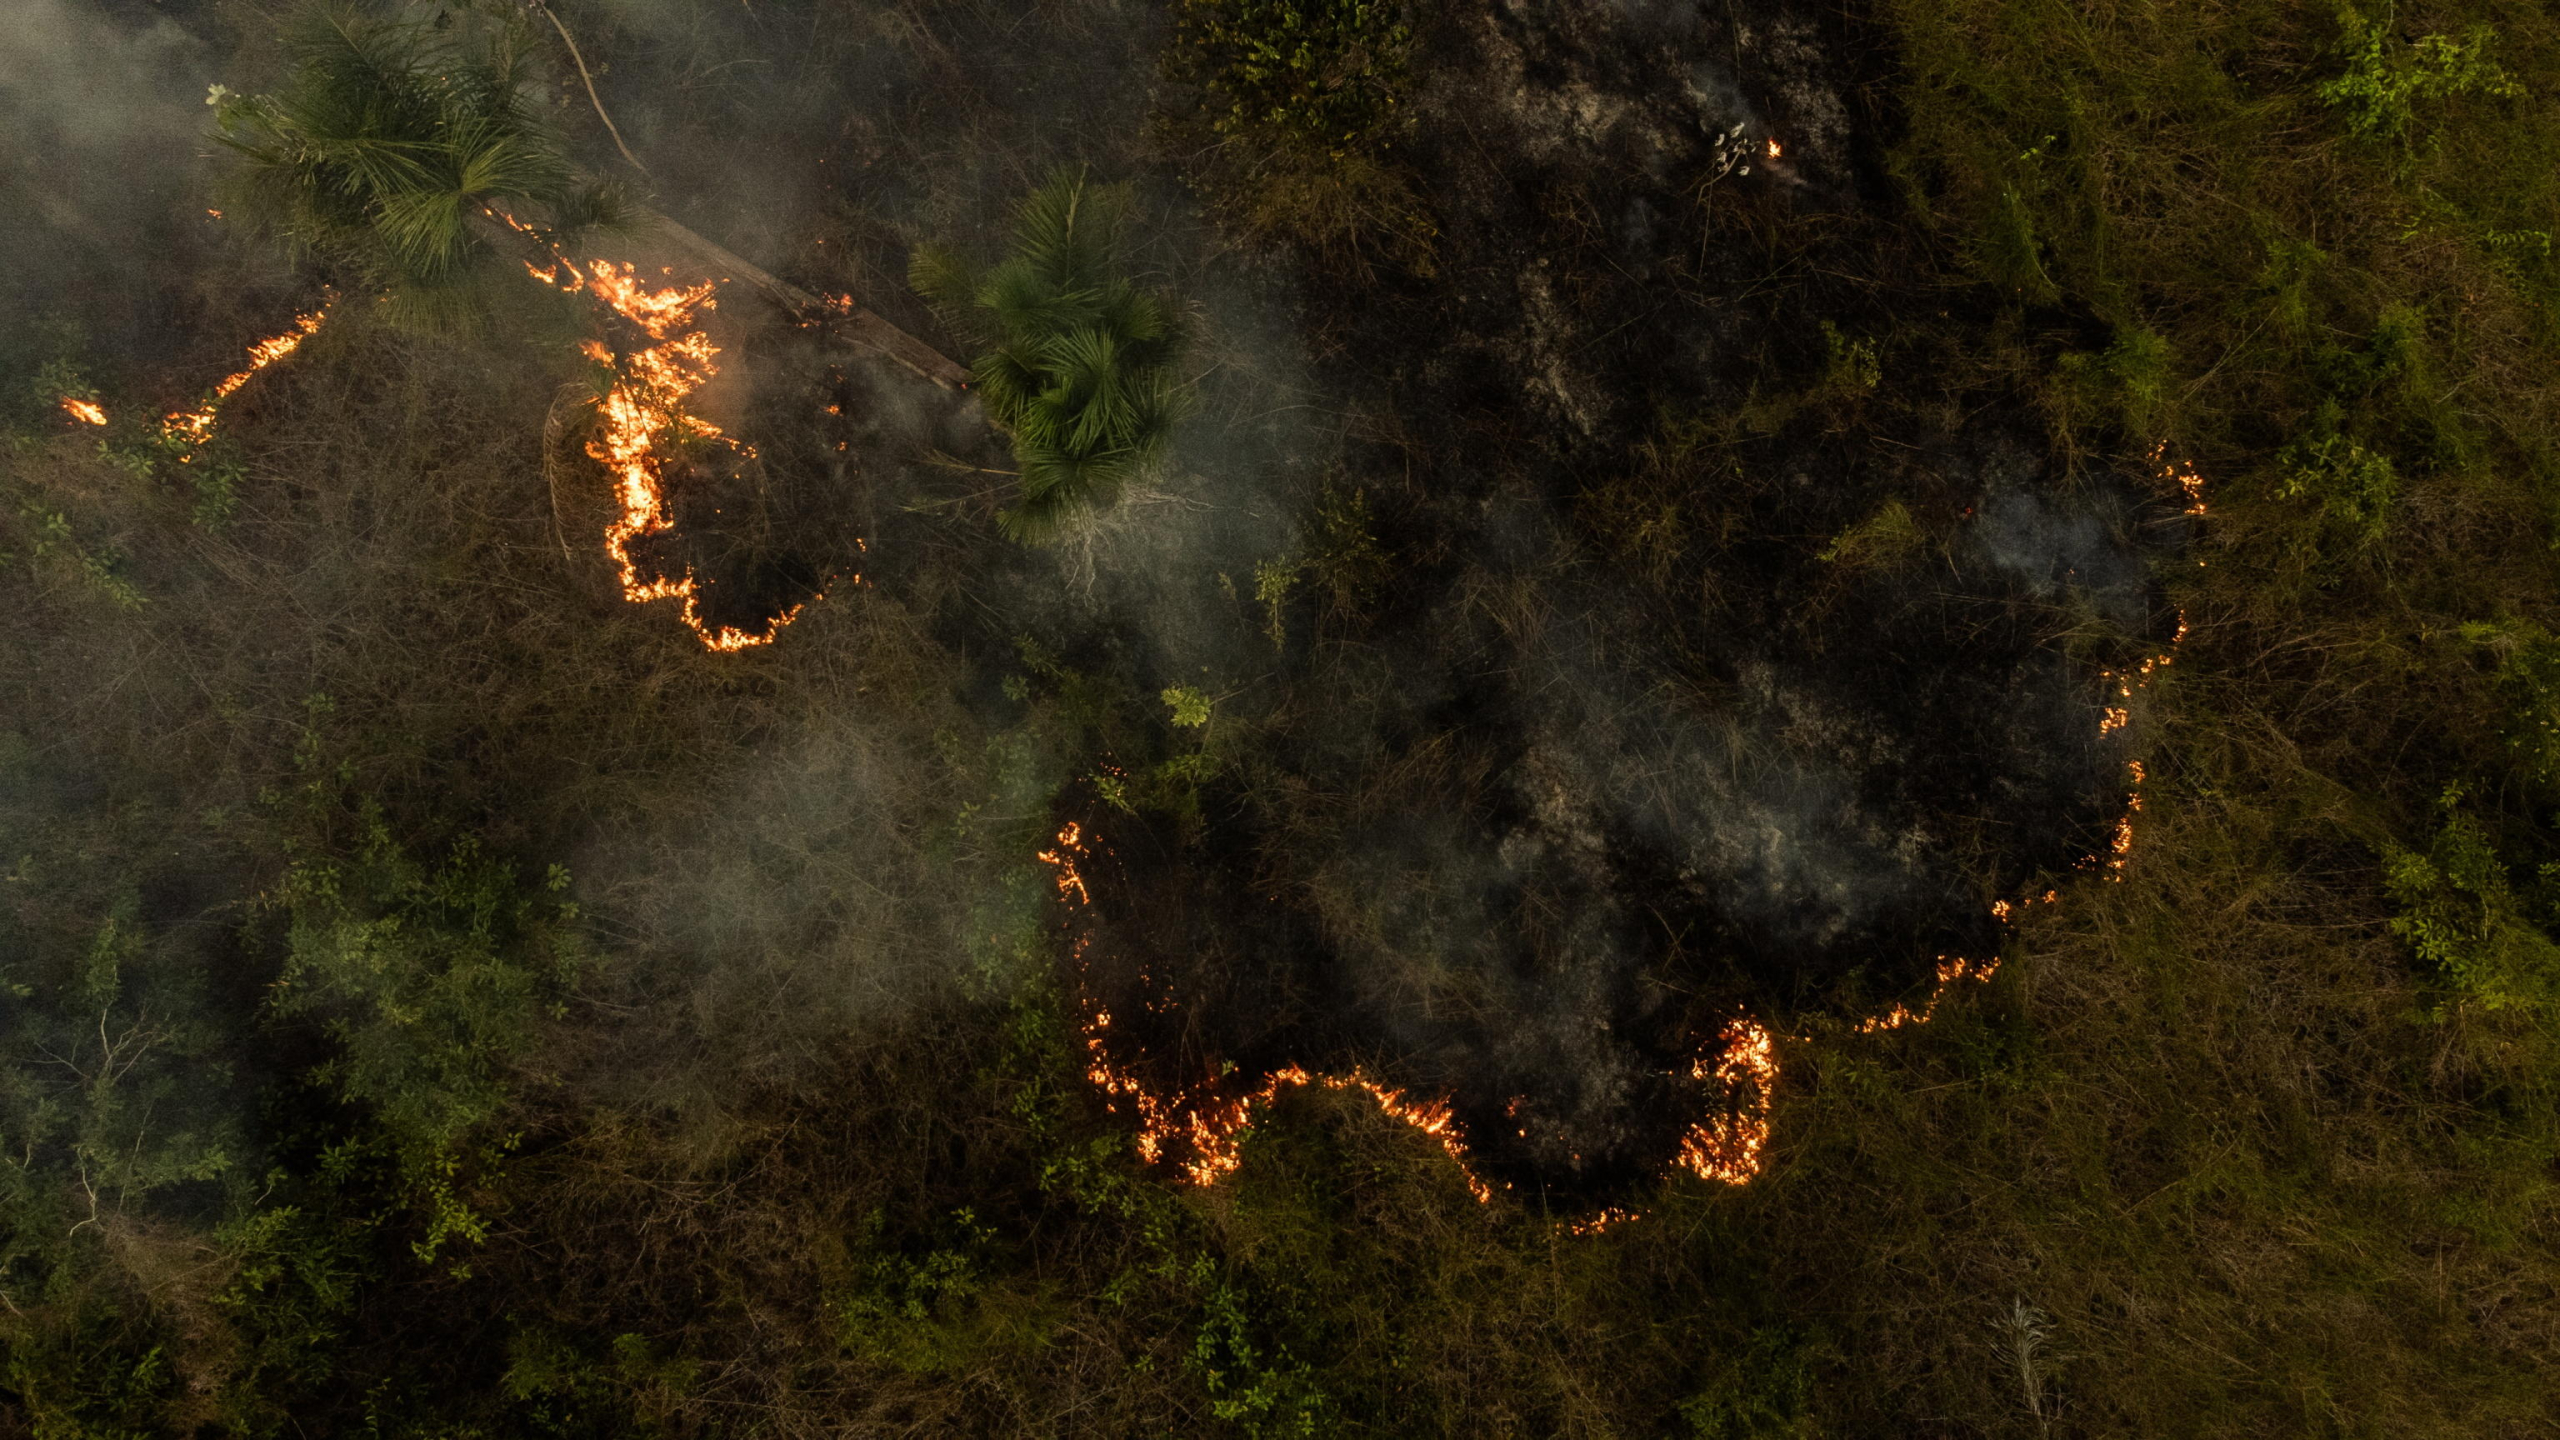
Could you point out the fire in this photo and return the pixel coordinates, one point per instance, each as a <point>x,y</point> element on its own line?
<point>84,411</point>
<point>1601,1220</point>
<point>2190,484</point>
<point>190,428</point>
<point>1727,1146</point>
<point>1774,152</point>
<point>642,415</point>
<point>1211,1127</point>
<point>2183,474</point>
<point>1950,970</point>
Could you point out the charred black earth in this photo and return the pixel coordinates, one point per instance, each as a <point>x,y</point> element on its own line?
<point>1706,678</point>
<point>1648,628</point>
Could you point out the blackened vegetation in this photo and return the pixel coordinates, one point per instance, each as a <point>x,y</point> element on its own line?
<point>768,531</point>
<point>1727,662</point>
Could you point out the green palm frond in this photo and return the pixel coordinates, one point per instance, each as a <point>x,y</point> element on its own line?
<point>1078,370</point>
<point>389,141</point>
<point>943,277</point>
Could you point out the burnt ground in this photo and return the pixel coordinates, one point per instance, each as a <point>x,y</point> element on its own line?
<point>1700,641</point>
<point>1618,750</point>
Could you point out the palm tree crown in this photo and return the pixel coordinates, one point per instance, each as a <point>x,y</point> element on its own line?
<point>1080,366</point>
<point>388,142</point>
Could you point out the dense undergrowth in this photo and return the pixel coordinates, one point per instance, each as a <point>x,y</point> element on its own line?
<point>328,1111</point>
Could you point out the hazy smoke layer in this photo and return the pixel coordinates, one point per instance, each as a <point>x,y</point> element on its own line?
<point>1595,657</point>
<point>103,109</point>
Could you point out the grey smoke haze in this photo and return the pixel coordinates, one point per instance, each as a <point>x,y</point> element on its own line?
<point>1487,916</point>
<point>102,111</point>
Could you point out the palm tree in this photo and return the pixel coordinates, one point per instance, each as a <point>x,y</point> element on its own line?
<point>1079,369</point>
<point>392,145</point>
<point>389,146</point>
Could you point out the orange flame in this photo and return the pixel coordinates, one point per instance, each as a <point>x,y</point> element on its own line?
<point>1212,1127</point>
<point>2190,484</point>
<point>84,411</point>
<point>1950,970</point>
<point>641,415</point>
<point>1728,1146</point>
<point>190,428</point>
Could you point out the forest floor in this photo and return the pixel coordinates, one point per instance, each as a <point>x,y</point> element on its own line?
<point>1694,530</point>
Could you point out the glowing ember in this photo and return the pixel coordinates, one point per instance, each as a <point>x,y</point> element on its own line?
<point>84,411</point>
<point>1726,1146</point>
<point>187,429</point>
<point>1950,970</point>
<point>1773,150</point>
<point>642,417</point>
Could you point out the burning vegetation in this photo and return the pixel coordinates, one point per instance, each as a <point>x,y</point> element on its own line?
<point>184,430</point>
<point>644,432</point>
<point>1544,745</point>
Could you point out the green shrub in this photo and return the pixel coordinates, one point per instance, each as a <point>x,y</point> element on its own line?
<point>2460,911</point>
<point>2352,487</point>
<point>2527,680</point>
<point>1315,75</point>
<point>1763,1393</point>
<point>1302,97</point>
<point>2385,79</point>
<point>432,979</point>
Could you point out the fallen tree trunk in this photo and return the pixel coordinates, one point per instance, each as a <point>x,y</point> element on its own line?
<point>864,327</point>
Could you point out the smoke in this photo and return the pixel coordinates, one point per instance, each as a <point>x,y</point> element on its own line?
<point>102,110</point>
<point>1525,825</point>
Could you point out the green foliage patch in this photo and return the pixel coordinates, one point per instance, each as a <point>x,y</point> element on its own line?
<point>2462,912</point>
<point>1302,100</point>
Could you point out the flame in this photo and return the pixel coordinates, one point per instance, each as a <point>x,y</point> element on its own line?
<point>1727,1146</point>
<point>1601,1220</point>
<point>2183,474</point>
<point>1209,1126</point>
<point>642,415</point>
<point>1773,149</point>
<point>2190,483</point>
<point>187,429</point>
<point>84,411</point>
<point>1950,970</point>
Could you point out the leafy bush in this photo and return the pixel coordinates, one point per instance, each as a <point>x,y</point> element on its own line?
<point>2352,487</point>
<point>2384,80</point>
<point>431,978</point>
<point>1315,75</point>
<point>2460,910</point>
<point>1301,98</point>
<point>1765,1392</point>
<point>1079,369</point>
<point>2527,679</point>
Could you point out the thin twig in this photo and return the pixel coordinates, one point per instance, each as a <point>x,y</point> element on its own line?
<point>590,82</point>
